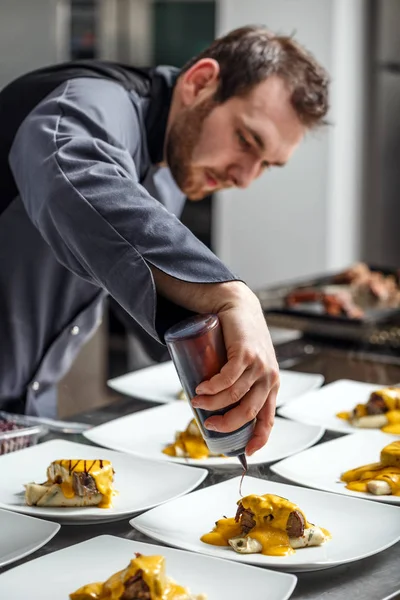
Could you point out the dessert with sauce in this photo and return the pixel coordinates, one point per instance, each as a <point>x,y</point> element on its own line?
<point>268,525</point>
<point>74,483</point>
<point>189,444</point>
<point>381,478</point>
<point>382,411</point>
<point>144,578</point>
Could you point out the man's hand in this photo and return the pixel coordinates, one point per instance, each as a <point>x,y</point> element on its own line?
<point>251,374</point>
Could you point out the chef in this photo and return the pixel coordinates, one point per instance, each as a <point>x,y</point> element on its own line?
<point>96,160</point>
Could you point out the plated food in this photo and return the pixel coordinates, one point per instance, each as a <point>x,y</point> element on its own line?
<point>189,444</point>
<point>350,293</point>
<point>74,483</point>
<point>267,524</point>
<point>382,411</point>
<point>380,479</point>
<point>144,578</point>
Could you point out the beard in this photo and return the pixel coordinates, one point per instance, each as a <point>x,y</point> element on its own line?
<point>181,141</point>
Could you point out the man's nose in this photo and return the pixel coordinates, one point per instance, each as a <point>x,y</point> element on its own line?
<point>244,173</point>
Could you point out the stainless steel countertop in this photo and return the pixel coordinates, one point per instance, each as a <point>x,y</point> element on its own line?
<point>374,578</point>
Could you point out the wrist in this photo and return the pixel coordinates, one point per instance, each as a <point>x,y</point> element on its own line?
<point>233,294</point>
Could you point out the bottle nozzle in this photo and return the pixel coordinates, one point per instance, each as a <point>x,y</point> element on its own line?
<point>243,461</point>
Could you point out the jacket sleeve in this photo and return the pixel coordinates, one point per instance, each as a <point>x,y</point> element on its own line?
<point>73,160</point>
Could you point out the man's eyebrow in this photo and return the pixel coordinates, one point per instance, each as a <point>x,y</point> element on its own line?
<point>261,145</point>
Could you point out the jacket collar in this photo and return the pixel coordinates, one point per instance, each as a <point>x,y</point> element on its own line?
<point>163,80</point>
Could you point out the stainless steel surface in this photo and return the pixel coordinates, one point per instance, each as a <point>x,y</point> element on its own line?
<point>379,329</point>
<point>60,426</point>
<point>381,209</point>
<point>393,596</point>
<point>374,578</point>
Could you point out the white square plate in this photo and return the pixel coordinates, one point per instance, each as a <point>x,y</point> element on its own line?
<point>321,406</point>
<point>60,573</point>
<point>160,383</point>
<point>141,483</point>
<point>320,468</point>
<point>147,432</point>
<point>20,536</point>
<point>359,528</point>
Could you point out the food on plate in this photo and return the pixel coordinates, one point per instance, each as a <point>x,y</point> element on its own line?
<point>74,483</point>
<point>337,303</point>
<point>266,524</point>
<point>382,411</point>
<point>350,293</point>
<point>380,479</point>
<point>371,285</point>
<point>189,444</point>
<point>144,578</point>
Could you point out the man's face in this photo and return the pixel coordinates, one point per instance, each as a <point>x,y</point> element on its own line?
<point>214,146</point>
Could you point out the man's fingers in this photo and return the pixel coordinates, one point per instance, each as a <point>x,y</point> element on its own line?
<point>247,410</point>
<point>265,421</point>
<point>227,397</point>
<point>223,380</point>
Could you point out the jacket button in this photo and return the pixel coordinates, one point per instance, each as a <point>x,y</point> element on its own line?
<point>35,386</point>
<point>75,330</point>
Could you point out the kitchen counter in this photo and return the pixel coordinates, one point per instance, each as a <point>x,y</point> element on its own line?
<point>374,578</point>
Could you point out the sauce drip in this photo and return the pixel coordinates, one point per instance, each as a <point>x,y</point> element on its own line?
<point>243,461</point>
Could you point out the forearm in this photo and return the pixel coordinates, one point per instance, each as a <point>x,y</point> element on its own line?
<point>202,297</point>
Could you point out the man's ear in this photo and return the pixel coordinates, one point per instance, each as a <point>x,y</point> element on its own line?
<point>200,80</point>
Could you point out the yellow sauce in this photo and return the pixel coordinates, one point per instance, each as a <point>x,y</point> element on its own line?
<point>388,470</point>
<point>189,442</point>
<point>88,592</point>
<point>344,415</point>
<point>153,574</point>
<point>101,471</point>
<point>224,530</point>
<point>274,542</point>
<point>269,504</point>
<point>271,535</point>
<point>393,417</point>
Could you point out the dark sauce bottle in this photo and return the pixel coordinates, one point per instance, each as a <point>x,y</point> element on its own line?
<point>197,349</point>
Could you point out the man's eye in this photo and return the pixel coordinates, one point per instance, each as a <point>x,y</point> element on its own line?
<point>243,142</point>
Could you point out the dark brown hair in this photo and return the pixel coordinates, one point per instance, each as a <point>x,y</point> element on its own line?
<point>249,55</point>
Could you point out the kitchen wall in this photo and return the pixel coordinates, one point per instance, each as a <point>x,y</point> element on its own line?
<point>33,33</point>
<point>303,219</point>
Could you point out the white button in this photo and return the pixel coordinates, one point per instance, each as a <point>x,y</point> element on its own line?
<point>75,330</point>
<point>35,386</point>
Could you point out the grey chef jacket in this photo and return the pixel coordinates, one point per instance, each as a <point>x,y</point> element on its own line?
<point>92,214</point>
